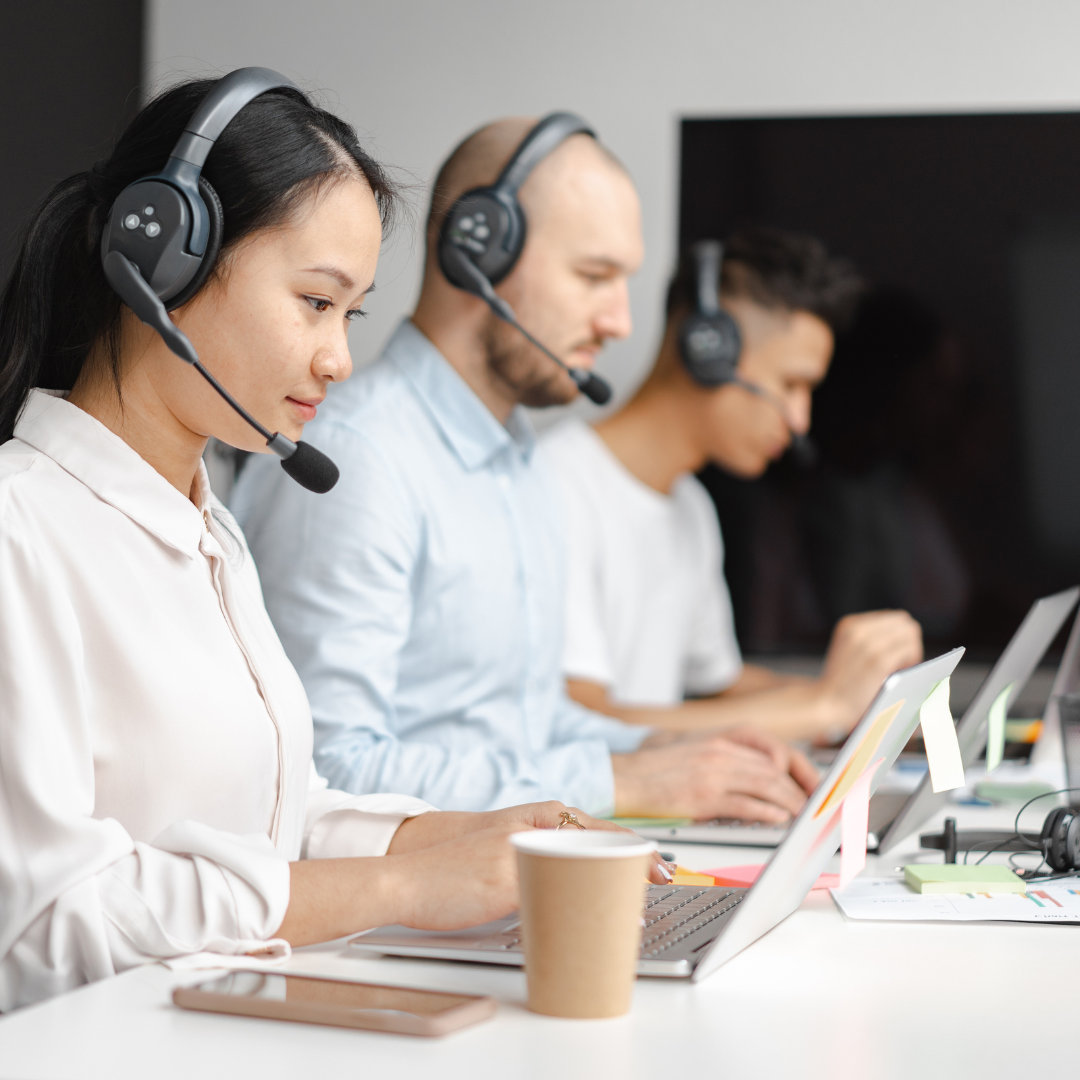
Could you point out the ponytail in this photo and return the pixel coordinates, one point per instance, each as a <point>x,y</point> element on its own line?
<point>56,303</point>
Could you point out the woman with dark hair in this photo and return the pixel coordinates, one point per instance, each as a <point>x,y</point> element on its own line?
<point>157,796</point>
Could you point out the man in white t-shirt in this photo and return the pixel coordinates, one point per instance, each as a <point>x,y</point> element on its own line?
<point>749,335</point>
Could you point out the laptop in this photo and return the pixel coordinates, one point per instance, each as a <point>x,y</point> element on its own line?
<point>894,815</point>
<point>690,930</point>
<point>1048,754</point>
<point>1017,662</point>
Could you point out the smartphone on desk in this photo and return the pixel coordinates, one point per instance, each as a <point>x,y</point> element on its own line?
<point>400,1009</point>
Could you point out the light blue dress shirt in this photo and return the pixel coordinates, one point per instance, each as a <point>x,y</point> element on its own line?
<point>421,600</point>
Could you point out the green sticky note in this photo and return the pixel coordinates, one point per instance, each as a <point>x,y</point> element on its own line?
<point>995,729</point>
<point>956,878</point>
<point>1001,791</point>
<point>939,737</point>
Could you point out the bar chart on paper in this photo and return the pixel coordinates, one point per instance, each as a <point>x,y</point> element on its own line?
<point>891,899</point>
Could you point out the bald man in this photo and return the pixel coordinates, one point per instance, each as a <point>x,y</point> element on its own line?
<point>421,600</point>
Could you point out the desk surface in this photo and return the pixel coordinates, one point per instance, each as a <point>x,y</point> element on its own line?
<point>819,996</point>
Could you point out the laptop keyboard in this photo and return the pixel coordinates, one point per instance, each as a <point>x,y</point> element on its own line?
<point>674,916</point>
<point>757,826</point>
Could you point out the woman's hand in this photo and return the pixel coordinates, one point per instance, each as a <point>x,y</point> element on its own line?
<point>435,828</point>
<point>547,815</point>
<point>465,881</point>
<point>443,871</point>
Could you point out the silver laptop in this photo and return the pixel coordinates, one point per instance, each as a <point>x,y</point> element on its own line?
<point>690,930</point>
<point>1048,754</point>
<point>894,815</point>
<point>1020,658</point>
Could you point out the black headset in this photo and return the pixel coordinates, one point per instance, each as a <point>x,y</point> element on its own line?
<point>485,227</point>
<point>163,234</point>
<point>1059,840</point>
<point>484,231</point>
<point>170,224</point>
<point>709,340</point>
<point>710,343</point>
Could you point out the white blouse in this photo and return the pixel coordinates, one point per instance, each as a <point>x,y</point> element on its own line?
<point>155,742</point>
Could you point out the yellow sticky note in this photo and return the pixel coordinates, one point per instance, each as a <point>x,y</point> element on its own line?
<point>995,729</point>
<point>861,758</point>
<point>683,876</point>
<point>939,737</point>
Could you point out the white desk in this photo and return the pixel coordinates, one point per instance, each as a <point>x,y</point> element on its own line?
<point>820,996</point>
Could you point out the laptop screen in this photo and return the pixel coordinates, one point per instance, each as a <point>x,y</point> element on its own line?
<point>1069,714</point>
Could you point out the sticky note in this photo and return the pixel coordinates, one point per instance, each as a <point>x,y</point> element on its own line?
<point>682,876</point>
<point>939,738</point>
<point>861,758</point>
<point>1019,791</point>
<point>745,876</point>
<point>995,729</point>
<point>854,818</point>
<point>956,878</point>
<point>1022,731</point>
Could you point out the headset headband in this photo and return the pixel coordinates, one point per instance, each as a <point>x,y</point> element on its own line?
<point>228,96</point>
<point>544,137</point>
<point>708,255</point>
<point>186,159</point>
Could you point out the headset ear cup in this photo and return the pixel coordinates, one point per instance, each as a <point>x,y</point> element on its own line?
<point>485,226</point>
<point>216,218</point>
<point>1060,840</point>
<point>1071,842</point>
<point>709,345</point>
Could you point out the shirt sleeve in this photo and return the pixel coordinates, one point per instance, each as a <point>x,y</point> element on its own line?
<point>340,825</point>
<point>81,898</point>
<point>344,621</point>
<point>575,726</point>
<point>714,661</point>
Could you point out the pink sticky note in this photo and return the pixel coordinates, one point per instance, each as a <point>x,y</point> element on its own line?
<point>745,876</point>
<point>854,820</point>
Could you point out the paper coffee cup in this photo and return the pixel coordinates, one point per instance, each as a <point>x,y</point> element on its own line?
<point>582,895</point>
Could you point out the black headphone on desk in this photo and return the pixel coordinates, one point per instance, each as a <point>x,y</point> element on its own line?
<point>484,232</point>
<point>163,234</point>
<point>709,340</point>
<point>1059,840</point>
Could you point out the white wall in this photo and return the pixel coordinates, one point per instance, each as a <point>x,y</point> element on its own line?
<point>415,75</point>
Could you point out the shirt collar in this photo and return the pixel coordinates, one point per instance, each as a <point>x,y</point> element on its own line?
<point>117,474</point>
<point>466,423</point>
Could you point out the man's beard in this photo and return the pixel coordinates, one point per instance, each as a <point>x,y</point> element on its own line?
<point>533,379</point>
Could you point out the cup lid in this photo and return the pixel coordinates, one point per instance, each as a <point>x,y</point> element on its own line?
<point>582,843</point>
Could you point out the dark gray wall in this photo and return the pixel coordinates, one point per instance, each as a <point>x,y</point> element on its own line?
<point>69,82</point>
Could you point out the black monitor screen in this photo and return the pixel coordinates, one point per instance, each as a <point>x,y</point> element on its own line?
<point>948,439</point>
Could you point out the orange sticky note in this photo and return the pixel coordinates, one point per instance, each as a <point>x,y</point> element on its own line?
<point>854,820</point>
<point>861,758</point>
<point>682,876</point>
<point>742,877</point>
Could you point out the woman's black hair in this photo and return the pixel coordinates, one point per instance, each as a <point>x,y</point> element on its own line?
<point>275,153</point>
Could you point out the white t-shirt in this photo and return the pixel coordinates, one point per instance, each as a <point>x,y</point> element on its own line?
<point>155,742</point>
<point>648,614</point>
